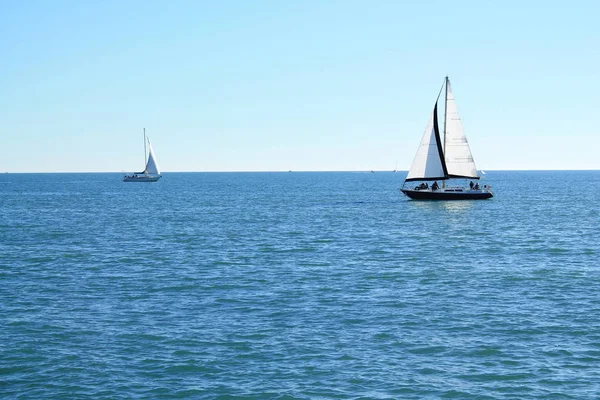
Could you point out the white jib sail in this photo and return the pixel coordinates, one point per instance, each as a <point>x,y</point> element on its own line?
<point>427,163</point>
<point>152,165</point>
<point>459,160</point>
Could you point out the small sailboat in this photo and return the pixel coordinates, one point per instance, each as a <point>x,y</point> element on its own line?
<point>448,161</point>
<point>151,173</point>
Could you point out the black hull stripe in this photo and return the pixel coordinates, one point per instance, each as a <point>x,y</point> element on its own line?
<point>439,178</point>
<point>463,177</point>
<point>429,195</point>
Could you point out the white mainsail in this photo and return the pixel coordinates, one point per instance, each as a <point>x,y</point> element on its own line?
<point>152,165</point>
<point>459,160</point>
<point>428,164</point>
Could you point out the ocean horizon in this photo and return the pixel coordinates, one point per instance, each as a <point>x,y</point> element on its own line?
<point>399,171</point>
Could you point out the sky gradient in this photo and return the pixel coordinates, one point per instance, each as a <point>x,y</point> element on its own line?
<point>300,85</point>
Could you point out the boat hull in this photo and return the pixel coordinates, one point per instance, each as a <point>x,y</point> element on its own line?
<point>141,178</point>
<point>448,195</point>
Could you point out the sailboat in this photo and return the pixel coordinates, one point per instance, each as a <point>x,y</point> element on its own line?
<point>448,161</point>
<point>151,173</point>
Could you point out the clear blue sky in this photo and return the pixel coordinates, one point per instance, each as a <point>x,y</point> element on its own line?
<point>302,85</point>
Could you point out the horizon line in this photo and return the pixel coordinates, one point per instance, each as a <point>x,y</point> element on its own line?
<point>284,171</point>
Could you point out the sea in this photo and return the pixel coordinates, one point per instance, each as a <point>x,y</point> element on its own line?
<point>298,285</point>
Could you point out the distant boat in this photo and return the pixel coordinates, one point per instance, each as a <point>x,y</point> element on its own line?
<point>449,162</point>
<point>151,173</point>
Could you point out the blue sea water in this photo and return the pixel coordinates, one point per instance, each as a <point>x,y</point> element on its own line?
<point>298,286</point>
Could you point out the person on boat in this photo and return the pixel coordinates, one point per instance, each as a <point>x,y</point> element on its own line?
<point>435,186</point>
<point>471,185</point>
<point>477,186</point>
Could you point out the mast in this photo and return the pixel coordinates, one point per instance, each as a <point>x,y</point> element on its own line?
<point>145,149</point>
<point>445,112</point>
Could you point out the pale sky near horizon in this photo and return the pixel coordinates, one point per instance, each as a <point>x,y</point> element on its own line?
<point>294,85</point>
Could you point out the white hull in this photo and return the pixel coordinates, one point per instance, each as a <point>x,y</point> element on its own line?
<point>141,178</point>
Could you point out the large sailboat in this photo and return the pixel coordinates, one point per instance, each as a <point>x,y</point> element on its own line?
<point>447,162</point>
<point>151,173</point>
